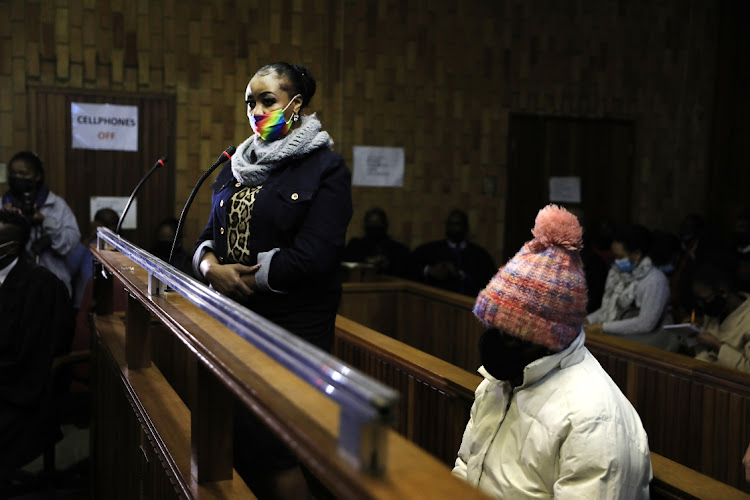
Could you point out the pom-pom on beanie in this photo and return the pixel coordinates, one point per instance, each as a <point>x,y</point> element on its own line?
<point>540,294</point>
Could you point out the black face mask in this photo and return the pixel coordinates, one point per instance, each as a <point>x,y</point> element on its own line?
<point>505,356</point>
<point>375,233</point>
<point>741,239</point>
<point>714,307</point>
<point>21,185</point>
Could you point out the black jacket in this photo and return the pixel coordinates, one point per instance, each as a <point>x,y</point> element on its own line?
<point>303,209</point>
<point>35,326</point>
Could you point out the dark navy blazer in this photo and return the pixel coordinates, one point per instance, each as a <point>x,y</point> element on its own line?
<point>303,208</point>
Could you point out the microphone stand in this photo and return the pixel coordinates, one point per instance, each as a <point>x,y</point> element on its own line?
<point>224,156</point>
<point>158,163</point>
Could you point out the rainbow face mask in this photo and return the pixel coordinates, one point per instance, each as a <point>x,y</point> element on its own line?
<point>272,126</point>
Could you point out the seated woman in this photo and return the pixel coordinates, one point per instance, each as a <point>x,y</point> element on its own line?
<point>636,292</point>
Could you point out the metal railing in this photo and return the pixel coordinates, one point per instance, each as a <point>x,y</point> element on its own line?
<point>367,407</point>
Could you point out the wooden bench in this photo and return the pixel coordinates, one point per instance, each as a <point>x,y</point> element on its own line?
<point>695,413</point>
<point>438,397</point>
<point>167,375</point>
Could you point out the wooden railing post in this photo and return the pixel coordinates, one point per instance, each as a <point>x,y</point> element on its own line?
<point>137,335</point>
<point>211,422</point>
<point>103,291</point>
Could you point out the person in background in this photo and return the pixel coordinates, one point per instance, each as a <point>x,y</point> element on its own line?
<point>377,248</point>
<point>54,230</point>
<point>36,326</point>
<point>547,420</point>
<point>636,292</point>
<point>692,250</point>
<point>79,260</point>
<point>274,241</point>
<point>162,247</point>
<point>746,463</point>
<point>665,251</point>
<point>104,217</point>
<point>601,239</point>
<point>725,336</point>
<point>594,264</point>
<point>453,263</point>
<point>741,241</point>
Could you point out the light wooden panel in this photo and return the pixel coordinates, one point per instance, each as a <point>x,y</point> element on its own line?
<point>437,77</point>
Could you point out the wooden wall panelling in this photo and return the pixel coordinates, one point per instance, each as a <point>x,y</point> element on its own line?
<point>398,80</point>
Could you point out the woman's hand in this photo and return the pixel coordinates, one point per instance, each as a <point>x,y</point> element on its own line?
<point>229,279</point>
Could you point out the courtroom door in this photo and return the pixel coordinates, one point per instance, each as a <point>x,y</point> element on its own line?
<point>78,174</point>
<point>599,152</point>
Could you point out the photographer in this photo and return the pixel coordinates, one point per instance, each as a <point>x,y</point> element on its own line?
<point>54,230</point>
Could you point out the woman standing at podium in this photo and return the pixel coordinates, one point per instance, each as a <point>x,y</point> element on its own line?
<point>274,240</point>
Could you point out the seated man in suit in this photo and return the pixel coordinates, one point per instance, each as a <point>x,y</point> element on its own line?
<point>34,326</point>
<point>387,255</point>
<point>453,263</point>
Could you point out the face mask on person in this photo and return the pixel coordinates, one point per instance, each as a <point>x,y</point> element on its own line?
<point>21,185</point>
<point>714,307</point>
<point>505,357</point>
<point>624,265</point>
<point>667,268</point>
<point>741,240</point>
<point>272,126</point>
<point>375,232</point>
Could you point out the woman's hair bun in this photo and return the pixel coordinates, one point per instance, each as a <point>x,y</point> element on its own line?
<point>556,226</point>
<point>307,82</point>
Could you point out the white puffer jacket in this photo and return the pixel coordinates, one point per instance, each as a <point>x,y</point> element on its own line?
<point>566,432</point>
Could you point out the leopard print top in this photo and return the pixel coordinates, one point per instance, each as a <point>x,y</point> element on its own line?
<point>239,219</point>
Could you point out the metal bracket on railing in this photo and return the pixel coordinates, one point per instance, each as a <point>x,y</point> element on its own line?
<point>362,442</point>
<point>155,286</point>
<point>101,243</point>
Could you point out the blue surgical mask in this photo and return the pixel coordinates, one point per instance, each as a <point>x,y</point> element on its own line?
<point>624,265</point>
<point>667,268</point>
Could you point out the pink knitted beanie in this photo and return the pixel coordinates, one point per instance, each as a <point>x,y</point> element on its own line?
<point>540,294</point>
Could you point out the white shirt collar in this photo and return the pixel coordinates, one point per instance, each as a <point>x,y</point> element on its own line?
<point>6,271</point>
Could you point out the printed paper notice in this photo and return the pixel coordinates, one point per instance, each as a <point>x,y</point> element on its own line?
<point>116,203</point>
<point>104,126</point>
<point>378,166</point>
<point>565,189</point>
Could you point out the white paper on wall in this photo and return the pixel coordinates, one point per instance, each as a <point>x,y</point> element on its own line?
<point>104,126</point>
<point>378,166</point>
<point>565,189</point>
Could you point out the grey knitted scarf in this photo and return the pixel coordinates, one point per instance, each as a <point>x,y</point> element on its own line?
<point>620,289</point>
<point>255,158</point>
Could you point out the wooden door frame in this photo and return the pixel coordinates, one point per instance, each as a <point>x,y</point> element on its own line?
<point>57,178</point>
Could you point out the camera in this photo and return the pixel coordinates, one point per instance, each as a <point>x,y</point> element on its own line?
<point>27,205</point>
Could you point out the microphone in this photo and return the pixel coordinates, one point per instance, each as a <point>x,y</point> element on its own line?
<point>158,163</point>
<point>224,156</point>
